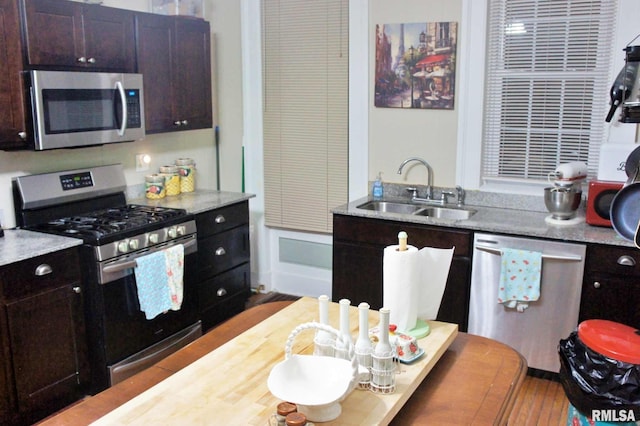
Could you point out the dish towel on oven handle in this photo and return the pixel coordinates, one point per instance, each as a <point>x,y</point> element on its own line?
<point>175,273</point>
<point>159,281</point>
<point>520,273</point>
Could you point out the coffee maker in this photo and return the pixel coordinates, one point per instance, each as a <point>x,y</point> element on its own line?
<point>625,91</point>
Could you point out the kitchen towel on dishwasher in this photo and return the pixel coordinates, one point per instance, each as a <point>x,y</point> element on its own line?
<point>152,283</point>
<point>519,278</point>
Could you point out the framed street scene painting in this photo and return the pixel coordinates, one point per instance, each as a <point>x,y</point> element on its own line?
<point>416,65</point>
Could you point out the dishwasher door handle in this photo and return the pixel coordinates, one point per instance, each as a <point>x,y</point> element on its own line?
<point>544,256</point>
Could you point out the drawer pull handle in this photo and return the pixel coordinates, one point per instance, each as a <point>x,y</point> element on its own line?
<point>626,261</point>
<point>596,284</point>
<point>43,269</point>
<point>221,292</point>
<point>220,219</point>
<point>220,251</point>
<point>77,290</point>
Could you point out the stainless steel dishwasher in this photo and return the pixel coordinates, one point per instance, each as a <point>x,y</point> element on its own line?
<point>536,331</point>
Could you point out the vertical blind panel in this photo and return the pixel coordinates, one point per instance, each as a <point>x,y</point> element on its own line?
<point>547,85</point>
<point>305,46</point>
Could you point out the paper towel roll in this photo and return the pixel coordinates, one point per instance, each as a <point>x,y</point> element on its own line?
<point>435,264</point>
<point>401,285</point>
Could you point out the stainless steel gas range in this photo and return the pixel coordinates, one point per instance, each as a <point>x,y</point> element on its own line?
<point>90,204</point>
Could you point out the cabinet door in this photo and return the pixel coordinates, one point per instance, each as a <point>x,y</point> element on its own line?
<point>155,61</point>
<point>358,246</point>
<point>12,110</point>
<point>109,39</point>
<point>6,389</point>
<point>193,72</point>
<point>358,284</point>
<point>46,339</point>
<point>54,32</point>
<point>614,298</point>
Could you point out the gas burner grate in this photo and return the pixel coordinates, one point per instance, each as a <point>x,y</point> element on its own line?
<point>111,221</point>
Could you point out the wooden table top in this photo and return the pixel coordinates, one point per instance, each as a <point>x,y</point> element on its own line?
<point>475,380</point>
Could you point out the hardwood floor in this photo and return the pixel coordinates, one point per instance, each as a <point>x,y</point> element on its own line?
<point>540,401</point>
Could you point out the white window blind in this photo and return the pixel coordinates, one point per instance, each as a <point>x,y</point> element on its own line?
<point>548,80</point>
<point>305,72</point>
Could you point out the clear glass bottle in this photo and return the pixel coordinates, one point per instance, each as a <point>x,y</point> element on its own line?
<point>364,347</point>
<point>324,342</point>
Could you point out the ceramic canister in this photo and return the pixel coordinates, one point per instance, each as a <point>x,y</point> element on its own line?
<point>171,178</point>
<point>154,186</point>
<point>187,170</point>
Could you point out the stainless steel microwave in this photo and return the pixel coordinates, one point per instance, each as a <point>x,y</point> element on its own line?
<point>75,109</point>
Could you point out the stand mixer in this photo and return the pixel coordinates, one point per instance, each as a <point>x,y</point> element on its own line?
<point>564,197</point>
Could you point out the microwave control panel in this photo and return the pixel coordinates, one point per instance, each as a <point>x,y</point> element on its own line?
<point>133,108</point>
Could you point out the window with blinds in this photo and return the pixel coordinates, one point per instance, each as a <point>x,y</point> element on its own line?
<point>548,80</point>
<point>305,80</point>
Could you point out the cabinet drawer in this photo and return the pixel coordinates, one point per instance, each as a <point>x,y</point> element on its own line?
<point>222,219</point>
<point>385,233</point>
<point>223,251</point>
<point>219,289</point>
<point>40,273</point>
<point>613,260</point>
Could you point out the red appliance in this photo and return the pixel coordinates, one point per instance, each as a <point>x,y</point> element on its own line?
<point>601,193</point>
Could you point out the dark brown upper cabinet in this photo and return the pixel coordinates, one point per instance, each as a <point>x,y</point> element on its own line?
<point>70,35</point>
<point>174,55</point>
<point>12,105</point>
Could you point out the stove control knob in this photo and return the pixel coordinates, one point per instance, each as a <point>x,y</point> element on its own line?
<point>181,229</point>
<point>153,238</point>
<point>123,246</point>
<point>172,232</point>
<point>134,244</point>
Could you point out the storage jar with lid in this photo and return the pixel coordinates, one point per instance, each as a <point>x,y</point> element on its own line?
<point>171,179</point>
<point>295,419</point>
<point>187,170</point>
<point>154,186</point>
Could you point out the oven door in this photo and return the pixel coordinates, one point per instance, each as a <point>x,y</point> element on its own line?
<point>119,330</point>
<point>73,109</point>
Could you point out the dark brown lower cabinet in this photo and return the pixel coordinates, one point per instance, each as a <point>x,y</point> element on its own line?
<point>224,272</point>
<point>611,285</point>
<point>358,245</point>
<point>42,334</point>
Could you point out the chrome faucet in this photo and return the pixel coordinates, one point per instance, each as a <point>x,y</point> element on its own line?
<point>429,196</point>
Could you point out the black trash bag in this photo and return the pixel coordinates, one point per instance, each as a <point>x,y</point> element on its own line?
<point>593,381</point>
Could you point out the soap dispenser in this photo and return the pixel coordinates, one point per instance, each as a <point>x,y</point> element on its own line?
<point>378,190</point>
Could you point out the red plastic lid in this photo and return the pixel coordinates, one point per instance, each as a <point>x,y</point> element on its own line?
<point>611,339</point>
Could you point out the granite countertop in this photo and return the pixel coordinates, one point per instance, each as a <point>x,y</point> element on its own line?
<point>18,244</point>
<point>193,202</point>
<point>522,218</point>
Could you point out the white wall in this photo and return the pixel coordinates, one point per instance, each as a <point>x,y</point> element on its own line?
<point>396,134</point>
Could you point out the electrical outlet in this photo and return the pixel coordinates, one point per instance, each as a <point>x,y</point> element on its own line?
<point>142,162</point>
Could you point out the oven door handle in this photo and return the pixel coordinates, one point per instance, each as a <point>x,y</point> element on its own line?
<point>128,264</point>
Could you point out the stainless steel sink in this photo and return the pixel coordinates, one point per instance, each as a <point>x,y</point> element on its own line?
<point>439,212</point>
<point>390,207</point>
<point>446,213</point>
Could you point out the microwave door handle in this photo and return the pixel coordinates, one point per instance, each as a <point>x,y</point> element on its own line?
<point>123,99</point>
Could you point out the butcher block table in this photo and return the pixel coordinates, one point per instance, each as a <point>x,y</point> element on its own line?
<point>221,378</point>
